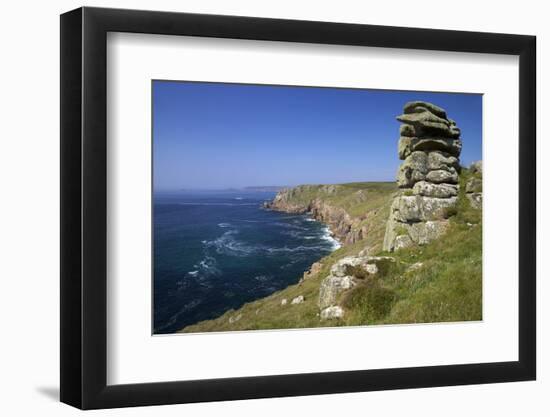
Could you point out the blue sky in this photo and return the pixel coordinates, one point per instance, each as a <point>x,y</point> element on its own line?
<point>217,135</point>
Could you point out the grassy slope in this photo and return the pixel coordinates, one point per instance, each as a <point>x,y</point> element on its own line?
<point>447,287</point>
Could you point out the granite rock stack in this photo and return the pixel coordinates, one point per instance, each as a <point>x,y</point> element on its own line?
<point>429,146</point>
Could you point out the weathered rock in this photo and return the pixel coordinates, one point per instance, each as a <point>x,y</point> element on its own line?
<point>412,106</point>
<point>313,270</point>
<point>406,130</point>
<point>421,117</point>
<point>475,199</point>
<point>331,288</point>
<point>426,123</point>
<point>339,269</point>
<point>441,176</point>
<point>298,300</point>
<point>445,144</point>
<point>330,313</point>
<point>474,185</point>
<point>371,269</point>
<point>455,131</point>
<point>442,160</point>
<point>477,167</point>
<point>402,241</point>
<point>429,175</point>
<point>342,266</point>
<point>424,232</point>
<point>404,146</point>
<point>419,233</point>
<point>390,233</point>
<point>428,189</point>
<point>412,209</point>
<point>407,145</point>
<point>414,169</point>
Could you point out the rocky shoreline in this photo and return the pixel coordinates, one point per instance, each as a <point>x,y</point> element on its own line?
<point>342,226</point>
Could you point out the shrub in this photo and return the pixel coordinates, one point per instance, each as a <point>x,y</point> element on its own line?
<point>356,271</point>
<point>370,300</point>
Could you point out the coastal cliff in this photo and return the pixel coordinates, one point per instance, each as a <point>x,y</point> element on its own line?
<point>353,212</point>
<point>411,250</point>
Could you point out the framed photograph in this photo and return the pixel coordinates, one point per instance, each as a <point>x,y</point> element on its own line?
<point>258,208</point>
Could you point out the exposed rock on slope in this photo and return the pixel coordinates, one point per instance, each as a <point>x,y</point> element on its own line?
<point>346,209</point>
<point>474,186</point>
<point>429,147</point>
<point>344,275</point>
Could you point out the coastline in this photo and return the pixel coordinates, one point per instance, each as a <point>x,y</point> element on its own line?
<point>345,213</point>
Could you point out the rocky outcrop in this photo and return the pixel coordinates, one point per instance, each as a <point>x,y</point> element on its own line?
<point>312,271</point>
<point>474,186</point>
<point>429,146</point>
<point>291,200</point>
<point>330,313</point>
<point>298,300</point>
<point>344,275</point>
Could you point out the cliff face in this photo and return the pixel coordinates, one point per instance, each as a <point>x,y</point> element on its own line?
<point>338,206</point>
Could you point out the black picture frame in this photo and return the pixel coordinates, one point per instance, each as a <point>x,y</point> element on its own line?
<point>84,207</point>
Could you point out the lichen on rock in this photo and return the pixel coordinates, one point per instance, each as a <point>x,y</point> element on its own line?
<point>429,146</point>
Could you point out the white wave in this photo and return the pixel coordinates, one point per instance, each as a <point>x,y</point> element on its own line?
<point>193,273</point>
<point>228,244</point>
<point>223,225</point>
<point>327,236</point>
<point>207,267</point>
<point>262,278</point>
<point>289,226</point>
<point>292,233</point>
<point>238,198</point>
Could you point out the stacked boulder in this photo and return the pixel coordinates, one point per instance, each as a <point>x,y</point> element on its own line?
<point>429,146</point>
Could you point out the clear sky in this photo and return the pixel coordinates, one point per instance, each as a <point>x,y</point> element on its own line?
<point>218,135</point>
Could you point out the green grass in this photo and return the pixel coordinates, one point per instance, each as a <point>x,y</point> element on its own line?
<point>447,287</point>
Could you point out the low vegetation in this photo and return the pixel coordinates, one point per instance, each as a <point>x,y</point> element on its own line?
<point>437,282</point>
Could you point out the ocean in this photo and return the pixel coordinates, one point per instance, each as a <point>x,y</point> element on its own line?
<point>215,251</point>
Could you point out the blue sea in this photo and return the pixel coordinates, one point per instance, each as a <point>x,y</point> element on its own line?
<point>214,251</point>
